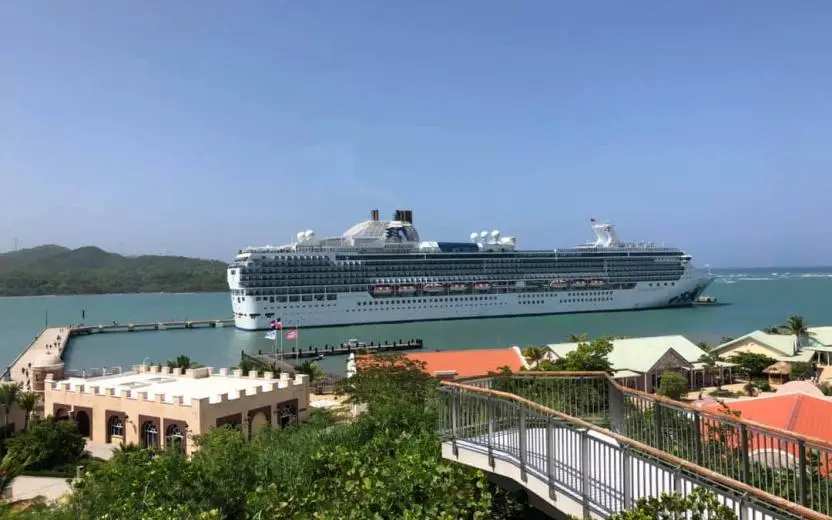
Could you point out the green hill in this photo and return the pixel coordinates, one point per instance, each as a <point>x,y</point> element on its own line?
<point>52,269</point>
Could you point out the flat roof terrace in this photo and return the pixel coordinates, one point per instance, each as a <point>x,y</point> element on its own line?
<point>192,384</point>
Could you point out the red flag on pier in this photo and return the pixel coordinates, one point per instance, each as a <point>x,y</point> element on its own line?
<point>276,325</point>
<point>292,334</point>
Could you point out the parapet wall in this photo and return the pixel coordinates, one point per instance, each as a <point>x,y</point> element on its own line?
<point>268,384</point>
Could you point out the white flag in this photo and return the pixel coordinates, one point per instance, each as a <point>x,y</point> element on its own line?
<point>272,335</point>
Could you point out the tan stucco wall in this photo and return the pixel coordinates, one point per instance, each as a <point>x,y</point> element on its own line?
<point>195,418</point>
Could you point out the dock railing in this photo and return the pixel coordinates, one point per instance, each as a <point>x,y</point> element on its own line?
<point>608,445</point>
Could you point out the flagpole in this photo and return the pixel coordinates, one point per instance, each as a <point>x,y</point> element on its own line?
<point>280,333</point>
<point>297,338</point>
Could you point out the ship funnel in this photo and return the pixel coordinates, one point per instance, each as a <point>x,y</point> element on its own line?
<point>605,235</point>
<point>374,215</point>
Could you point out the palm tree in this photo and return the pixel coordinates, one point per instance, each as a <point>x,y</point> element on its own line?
<point>182,361</point>
<point>578,338</point>
<point>796,326</point>
<point>709,360</point>
<point>28,401</point>
<point>773,330</point>
<point>704,345</point>
<point>534,355</point>
<point>10,468</point>
<point>8,397</point>
<point>311,369</point>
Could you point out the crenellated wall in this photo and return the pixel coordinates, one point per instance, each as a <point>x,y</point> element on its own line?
<point>266,403</point>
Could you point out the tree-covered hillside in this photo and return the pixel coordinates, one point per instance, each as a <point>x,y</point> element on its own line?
<point>54,269</point>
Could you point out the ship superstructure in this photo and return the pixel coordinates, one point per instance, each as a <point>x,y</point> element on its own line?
<point>381,271</point>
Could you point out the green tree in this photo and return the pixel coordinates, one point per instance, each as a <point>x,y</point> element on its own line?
<point>387,379</point>
<point>700,503</point>
<point>578,338</point>
<point>8,398</point>
<point>48,444</point>
<point>797,327</point>
<point>752,363</point>
<point>704,345</point>
<point>590,357</point>
<point>182,361</point>
<point>673,385</point>
<point>534,355</point>
<point>710,362</point>
<point>312,369</point>
<point>726,339</point>
<point>28,401</point>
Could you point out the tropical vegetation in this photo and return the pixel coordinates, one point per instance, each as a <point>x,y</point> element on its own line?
<point>54,269</point>
<point>385,464</point>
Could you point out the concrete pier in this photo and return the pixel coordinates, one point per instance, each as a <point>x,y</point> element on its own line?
<point>46,349</point>
<point>44,355</point>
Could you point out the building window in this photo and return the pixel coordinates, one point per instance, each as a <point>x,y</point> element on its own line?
<point>174,438</point>
<point>116,426</point>
<point>150,435</point>
<point>287,415</point>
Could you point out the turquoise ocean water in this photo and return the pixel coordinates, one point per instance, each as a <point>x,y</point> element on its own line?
<point>749,299</point>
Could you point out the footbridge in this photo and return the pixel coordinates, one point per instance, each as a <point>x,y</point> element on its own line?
<point>582,445</point>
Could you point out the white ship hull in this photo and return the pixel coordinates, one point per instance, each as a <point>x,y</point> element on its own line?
<point>362,308</point>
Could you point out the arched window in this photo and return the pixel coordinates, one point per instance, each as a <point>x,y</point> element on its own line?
<point>150,435</point>
<point>115,426</point>
<point>174,438</point>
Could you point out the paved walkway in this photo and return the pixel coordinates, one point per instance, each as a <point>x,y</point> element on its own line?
<point>51,488</point>
<point>50,341</point>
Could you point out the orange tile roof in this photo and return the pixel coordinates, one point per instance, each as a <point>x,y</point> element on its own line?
<point>798,413</point>
<point>467,363</point>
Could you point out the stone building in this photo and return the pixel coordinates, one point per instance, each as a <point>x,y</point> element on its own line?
<point>163,407</point>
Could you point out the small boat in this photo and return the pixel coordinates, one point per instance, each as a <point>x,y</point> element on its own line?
<point>406,289</point>
<point>459,287</point>
<point>382,290</point>
<point>579,283</point>
<point>433,288</point>
<point>482,286</point>
<point>597,283</point>
<point>558,284</point>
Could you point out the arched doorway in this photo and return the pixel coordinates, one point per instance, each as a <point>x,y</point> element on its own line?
<point>256,423</point>
<point>61,414</point>
<point>82,420</point>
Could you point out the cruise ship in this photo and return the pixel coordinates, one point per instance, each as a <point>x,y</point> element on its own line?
<point>381,271</point>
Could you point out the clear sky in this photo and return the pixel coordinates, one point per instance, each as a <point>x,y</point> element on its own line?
<point>199,127</point>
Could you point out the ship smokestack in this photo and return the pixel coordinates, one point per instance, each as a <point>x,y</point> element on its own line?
<point>374,214</point>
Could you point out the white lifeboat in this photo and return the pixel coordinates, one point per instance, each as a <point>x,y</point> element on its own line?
<point>558,284</point>
<point>579,283</point>
<point>433,288</point>
<point>382,290</point>
<point>482,286</point>
<point>406,289</point>
<point>459,287</point>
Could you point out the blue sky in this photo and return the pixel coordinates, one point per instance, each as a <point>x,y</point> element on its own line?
<point>199,127</point>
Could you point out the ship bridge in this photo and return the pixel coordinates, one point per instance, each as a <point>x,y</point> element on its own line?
<point>580,444</point>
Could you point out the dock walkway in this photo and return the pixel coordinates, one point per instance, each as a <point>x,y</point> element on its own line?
<point>48,346</point>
